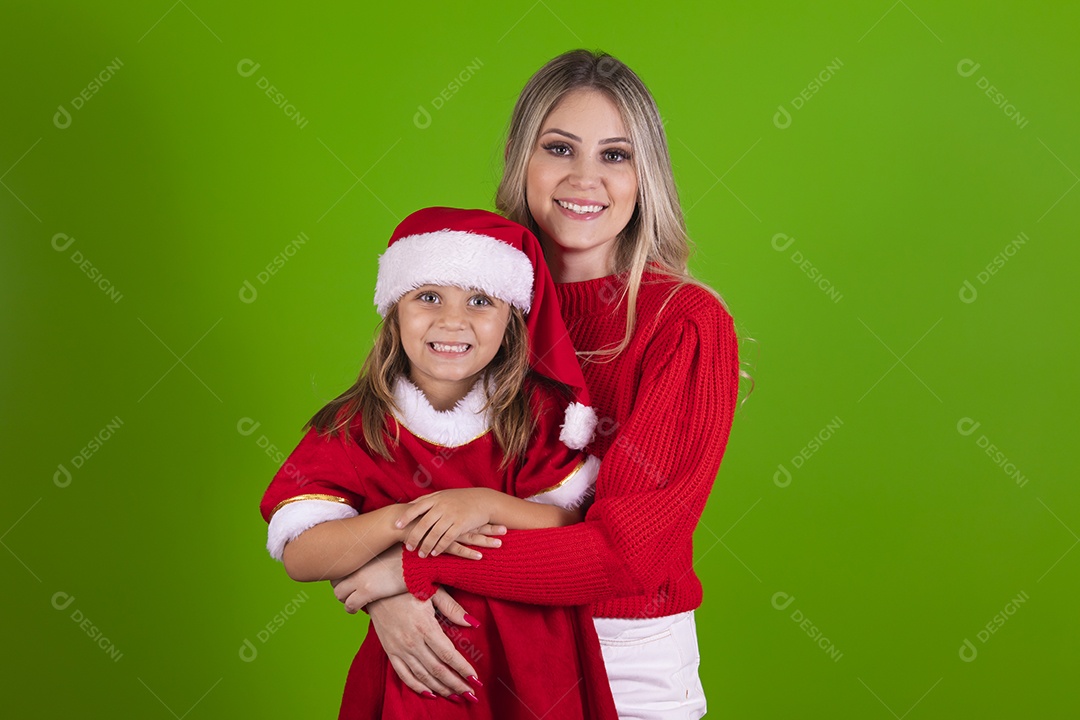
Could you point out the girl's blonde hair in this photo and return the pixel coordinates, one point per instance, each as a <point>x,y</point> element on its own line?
<point>372,395</point>
<point>655,237</point>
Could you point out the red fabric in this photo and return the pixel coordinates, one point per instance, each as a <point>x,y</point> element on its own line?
<point>551,353</point>
<point>534,661</point>
<point>666,405</point>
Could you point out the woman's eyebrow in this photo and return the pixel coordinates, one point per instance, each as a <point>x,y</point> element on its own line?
<point>575,138</point>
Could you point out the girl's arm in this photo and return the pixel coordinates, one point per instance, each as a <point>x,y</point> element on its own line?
<point>336,548</point>
<point>442,517</point>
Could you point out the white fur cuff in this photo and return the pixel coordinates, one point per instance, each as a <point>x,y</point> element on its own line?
<point>574,490</point>
<point>296,517</point>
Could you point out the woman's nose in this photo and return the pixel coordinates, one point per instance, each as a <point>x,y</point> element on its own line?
<point>585,172</point>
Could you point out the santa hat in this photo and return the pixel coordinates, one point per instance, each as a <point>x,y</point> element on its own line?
<point>479,249</point>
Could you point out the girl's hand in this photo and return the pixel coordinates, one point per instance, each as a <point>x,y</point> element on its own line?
<point>448,516</point>
<point>380,578</point>
<point>419,650</point>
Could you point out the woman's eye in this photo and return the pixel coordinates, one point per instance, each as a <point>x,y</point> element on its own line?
<point>616,155</point>
<point>558,148</point>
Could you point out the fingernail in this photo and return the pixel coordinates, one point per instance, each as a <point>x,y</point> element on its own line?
<point>422,554</point>
<point>475,681</point>
<point>409,547</point>
<point>428,694</point>
<point>470,697</point>
<point>479,555</point>
<point>471,620</point>
<point>497,543</point>
<point>455,697</point>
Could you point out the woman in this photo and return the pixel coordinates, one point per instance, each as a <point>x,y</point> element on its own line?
<point>587,169</point>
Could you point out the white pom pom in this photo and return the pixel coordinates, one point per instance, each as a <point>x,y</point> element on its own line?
<point>579,422</point>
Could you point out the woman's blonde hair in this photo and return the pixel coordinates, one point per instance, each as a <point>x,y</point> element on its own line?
<point>655,238</point>
<point>372,395</point>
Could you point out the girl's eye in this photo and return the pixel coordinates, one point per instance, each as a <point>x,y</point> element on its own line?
<point>558,148</point>
<point>616,155</point>
<point>428,297</point>
<point>481,300</point>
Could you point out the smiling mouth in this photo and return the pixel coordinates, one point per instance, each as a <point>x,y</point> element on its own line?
<point>580,209</point>
<point>449,347</point>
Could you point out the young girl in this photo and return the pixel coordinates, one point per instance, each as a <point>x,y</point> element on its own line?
<point>463,395</point>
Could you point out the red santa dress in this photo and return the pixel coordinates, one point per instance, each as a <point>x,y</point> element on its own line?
<point>535,661</point>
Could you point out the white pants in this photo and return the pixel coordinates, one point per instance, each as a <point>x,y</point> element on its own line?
<point>652,665</point>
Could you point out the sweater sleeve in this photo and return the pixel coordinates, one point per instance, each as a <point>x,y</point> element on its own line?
<point>650,493</point>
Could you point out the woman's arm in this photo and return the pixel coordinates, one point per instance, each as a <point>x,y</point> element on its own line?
<point>653,485</point>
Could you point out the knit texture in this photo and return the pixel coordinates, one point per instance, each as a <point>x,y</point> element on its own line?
<point>665,406</point>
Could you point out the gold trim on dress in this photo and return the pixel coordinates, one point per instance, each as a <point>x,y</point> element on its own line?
<point>566,479</point>
<point>314,496</point>
<point>429,441</point>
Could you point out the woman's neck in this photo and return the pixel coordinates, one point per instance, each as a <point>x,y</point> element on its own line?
<point>569,265</point>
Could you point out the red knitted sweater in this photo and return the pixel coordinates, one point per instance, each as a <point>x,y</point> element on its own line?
<point>665,406</point>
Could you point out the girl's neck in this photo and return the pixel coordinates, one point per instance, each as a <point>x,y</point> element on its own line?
<point>446,395</point>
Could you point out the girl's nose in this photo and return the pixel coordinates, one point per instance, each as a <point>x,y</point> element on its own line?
<point>452,316</point>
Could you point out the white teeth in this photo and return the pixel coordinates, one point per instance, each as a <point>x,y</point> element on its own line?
<point>580,209</point>
<point>444,347</point>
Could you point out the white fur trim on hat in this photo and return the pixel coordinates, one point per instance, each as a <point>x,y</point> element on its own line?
<point>457,258</point>
<point>572,492</point>
<point>291,520</point>
<point>579,422</point>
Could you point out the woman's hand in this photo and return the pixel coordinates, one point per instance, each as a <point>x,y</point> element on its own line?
<point>447,517</point>
<point>419,650</point>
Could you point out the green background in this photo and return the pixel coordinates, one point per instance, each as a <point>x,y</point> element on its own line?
<point>899,180</point>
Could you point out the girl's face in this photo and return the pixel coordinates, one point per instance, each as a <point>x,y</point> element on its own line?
<point>450,335</point>
<point>581,185</point>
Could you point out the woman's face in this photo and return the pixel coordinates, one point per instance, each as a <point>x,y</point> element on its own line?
<point>581,185</point>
